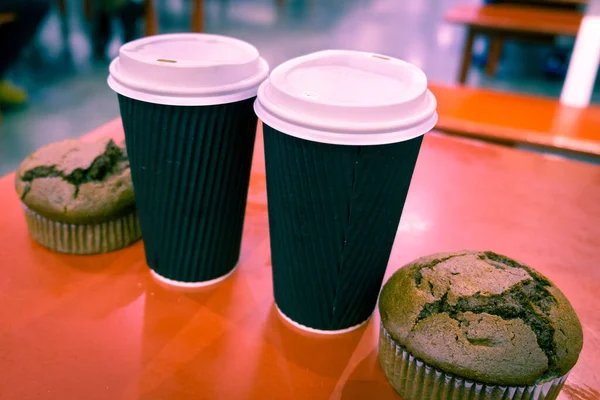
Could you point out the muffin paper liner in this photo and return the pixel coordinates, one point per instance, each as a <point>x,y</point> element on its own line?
<point>96,238</point>
<point>333,216</point>
<point>413,379</point>
<point>190,167</point>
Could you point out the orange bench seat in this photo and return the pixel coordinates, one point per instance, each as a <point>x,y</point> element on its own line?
<point>517,119</point>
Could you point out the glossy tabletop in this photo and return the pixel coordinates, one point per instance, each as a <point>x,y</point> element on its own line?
<point>99,327</point>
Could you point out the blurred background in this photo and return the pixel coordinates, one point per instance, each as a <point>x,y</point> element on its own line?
<point>56,86</point>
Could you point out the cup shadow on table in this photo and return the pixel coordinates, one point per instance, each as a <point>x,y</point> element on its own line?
<point>361,385</point>
<point>116,262</point>
<point>169,310</point>
<point>220,298</point>
<point>321,354</point>
<point>88,288</point>
<point>580,392</point>
<point>183,339</point>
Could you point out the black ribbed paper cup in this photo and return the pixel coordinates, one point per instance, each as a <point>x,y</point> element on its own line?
<point>190,167</point>
<point>342,134</point>
<point>333,215</point>
<point>186,102</point>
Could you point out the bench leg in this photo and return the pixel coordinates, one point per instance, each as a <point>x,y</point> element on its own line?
<point>62,7</point>
<point>151,21</point>
<point>467,54</point>
<point>494,53</point>
<point>88,9</point>
<point>198,16</point>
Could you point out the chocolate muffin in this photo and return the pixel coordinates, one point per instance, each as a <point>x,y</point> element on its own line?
<point>78,197</point>
<point>476,324</point>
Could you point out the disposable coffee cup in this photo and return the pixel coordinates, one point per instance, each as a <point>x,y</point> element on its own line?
<point>342,132</point>
<point>186,105</point>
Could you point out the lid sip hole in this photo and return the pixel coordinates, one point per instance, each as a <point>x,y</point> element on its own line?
<point>380,57</point>
<point>166,61</point>
<point>308,94</point>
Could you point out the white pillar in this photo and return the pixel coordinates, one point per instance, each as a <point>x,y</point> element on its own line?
<point>583,66</point>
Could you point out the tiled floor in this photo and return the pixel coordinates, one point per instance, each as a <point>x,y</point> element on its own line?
<point>69,95</point>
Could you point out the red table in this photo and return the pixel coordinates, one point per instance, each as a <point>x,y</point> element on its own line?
<point>100,328</point>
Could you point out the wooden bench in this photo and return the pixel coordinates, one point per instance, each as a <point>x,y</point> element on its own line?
<point>551,3</point>
<point>502,21</point>
<point>517,119</point>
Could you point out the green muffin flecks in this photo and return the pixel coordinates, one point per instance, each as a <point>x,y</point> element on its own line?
<point>78,196</point>
<point>483,317</point>
<point>76,182</point>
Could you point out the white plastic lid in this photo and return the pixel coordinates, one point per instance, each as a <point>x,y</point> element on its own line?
<point>347,97</point>
<point>187,69</point>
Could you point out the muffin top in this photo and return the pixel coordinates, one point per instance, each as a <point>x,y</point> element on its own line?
<point>482,316</point>
<point>77,182</point>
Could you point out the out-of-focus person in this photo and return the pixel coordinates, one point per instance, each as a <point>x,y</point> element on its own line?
<point>127,12</point>
<point>14,36</point>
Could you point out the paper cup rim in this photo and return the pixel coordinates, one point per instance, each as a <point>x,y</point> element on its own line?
<point>323,332</point>
<point>190,285</point>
